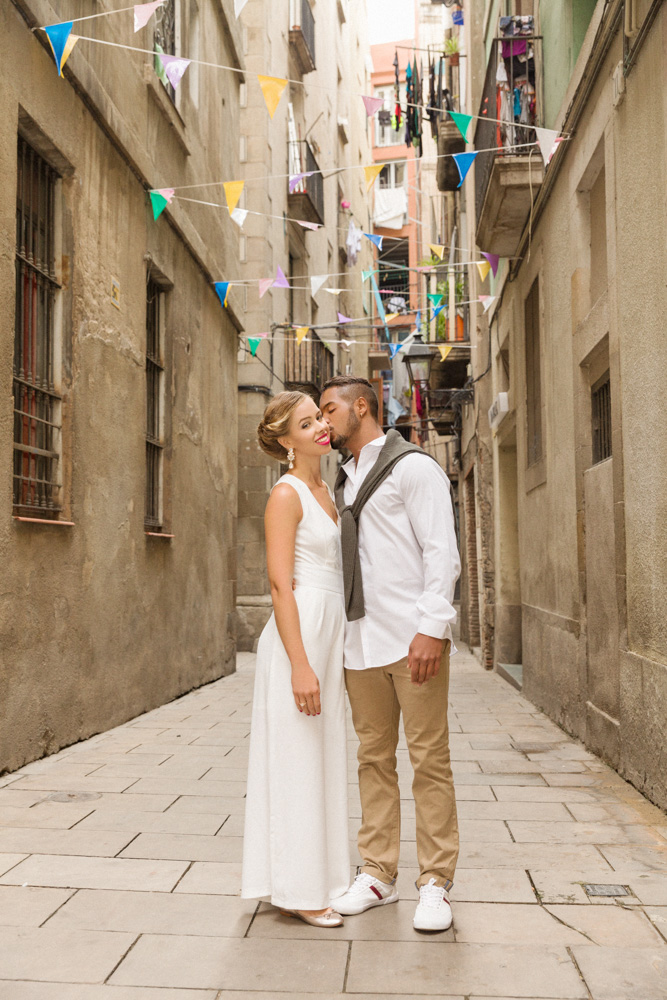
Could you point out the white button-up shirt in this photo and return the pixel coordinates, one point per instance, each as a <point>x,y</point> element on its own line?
<point>409,558</point>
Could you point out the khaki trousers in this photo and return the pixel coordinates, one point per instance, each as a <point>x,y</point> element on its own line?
<point>377,697</point>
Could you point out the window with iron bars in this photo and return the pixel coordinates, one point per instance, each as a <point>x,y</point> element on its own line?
<point>601,417</point>
<point>154,403</point>
<point>309,364</point>
<point>164,40</point>
<point>37,402</point>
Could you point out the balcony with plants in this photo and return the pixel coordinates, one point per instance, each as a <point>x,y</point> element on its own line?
<point>302,35</point>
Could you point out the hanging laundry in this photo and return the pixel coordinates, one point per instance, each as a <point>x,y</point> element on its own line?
<point>353,244</point>
<point>397,117</point>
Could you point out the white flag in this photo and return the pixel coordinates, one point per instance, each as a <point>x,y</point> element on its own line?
<point>239,215</point>
<point>546,139</point>
<point>239,5</point>
<point>316,282</point>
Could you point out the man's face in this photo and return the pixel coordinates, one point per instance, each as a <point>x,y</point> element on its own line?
<point>340,416</point>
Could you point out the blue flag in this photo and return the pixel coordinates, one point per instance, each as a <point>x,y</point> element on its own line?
<point>222,291</point>
<point>58,35</point>
<point>464,162</point>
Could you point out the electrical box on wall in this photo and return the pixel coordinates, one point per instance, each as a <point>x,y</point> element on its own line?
<point>618,82</point>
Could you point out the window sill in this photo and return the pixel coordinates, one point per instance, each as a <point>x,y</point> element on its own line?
<point>43,520</point>
<point>158,534</point>
<point>166,107</point>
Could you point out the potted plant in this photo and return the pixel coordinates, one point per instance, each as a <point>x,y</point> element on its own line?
<point>452,50</point>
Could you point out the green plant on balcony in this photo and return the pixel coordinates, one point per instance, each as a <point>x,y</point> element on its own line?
<point>452,50</point>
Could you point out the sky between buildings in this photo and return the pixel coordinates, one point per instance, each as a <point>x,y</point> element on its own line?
<point>390,20</point>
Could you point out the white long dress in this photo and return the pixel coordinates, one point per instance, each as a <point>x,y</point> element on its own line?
<point>296,846</point>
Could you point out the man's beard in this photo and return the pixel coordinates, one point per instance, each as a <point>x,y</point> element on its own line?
<point>339,441</point>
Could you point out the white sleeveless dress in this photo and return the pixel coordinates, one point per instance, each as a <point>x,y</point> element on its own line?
<point>296,844</point>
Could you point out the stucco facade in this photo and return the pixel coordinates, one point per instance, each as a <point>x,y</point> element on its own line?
<point>100,619</point>
<point>578,542</point>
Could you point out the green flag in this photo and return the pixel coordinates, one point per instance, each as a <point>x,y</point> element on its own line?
<point>462,122</point>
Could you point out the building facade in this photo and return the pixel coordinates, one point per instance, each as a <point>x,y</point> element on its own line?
<point>118,435</point>
<point>320,125</point>
<point>564,453</point>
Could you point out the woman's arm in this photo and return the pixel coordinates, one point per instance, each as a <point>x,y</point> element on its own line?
<point>283,513</point>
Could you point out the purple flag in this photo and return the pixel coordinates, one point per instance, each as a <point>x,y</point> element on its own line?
<point>493,260</point>
<point>281,281</point>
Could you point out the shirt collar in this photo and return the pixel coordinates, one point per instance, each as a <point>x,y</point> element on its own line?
<point>350,467</point>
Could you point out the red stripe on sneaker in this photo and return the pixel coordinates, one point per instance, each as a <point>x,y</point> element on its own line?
<point>376,891</point>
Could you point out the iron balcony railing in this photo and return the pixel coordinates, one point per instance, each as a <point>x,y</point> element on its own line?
<point>516,101</point>
<point>301,160</point>
<point>308,365</point>
<point>302,33</point>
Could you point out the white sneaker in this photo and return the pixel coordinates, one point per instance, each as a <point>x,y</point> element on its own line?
<point>364,893</point>
<point>433,911</point>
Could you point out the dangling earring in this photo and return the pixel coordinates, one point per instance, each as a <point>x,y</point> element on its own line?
<point>290,458</point>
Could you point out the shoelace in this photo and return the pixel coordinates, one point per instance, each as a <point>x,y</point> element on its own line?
<point>361,882</point>
<point>431,894</point>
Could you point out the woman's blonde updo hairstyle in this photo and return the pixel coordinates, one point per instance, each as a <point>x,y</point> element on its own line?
<point>275,423</point>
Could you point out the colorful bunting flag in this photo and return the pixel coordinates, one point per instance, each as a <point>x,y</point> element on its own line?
<point>378,302</point>
<point>547,140</point>
<point>160,198</point>
<point>346,342</point>
<point>462,122</point>
<point>394,349</point>
<point>418,321</point>
<point>436,312</point>
<point>239,5</point>
<point>487,301</point>
<point>343,319</point>
<point>333,291</point>
<point>444,350</point>
<point>143,12</point>
<point>316,282</point>
<point>437,250</point>
<point>372,104</point>
<point>435,299</point>
<point>390,316</point>
<point>365,275</point>
<point>280,281</point>
<point>222,291</point>
<point>174,67</point>
<point>483,267</point>
<point>239,215</point>
<point>58,36</point>
<point>233,191</point>
<point>296,179</point>
<point>493,260</point>
<point>463,162</point>
<point>272,88</point>
<point>308,225</point>
<point>377,240</point>
<point>371,174</point>
<point>301,332</point>
<point>264,285</point>
<point>253,344</point>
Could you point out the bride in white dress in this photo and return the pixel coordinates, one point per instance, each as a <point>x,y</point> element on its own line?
<point>296,846</point>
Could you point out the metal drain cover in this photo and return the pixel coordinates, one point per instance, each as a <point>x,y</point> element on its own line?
<point>607,890</point>
<point>73,796</point>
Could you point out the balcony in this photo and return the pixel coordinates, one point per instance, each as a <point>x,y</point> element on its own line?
<point>446,392</point>
<point>308,365</point>
<point>302,35</point>
<point>307,200</point>
<point>450,141</point>
<point>504,179</point>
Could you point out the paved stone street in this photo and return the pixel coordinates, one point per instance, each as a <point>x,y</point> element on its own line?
<point>120,868</point>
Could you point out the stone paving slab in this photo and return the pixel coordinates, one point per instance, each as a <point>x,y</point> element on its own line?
<point>79,956</point>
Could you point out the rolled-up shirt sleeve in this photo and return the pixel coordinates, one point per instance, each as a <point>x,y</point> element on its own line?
<point>425,491</point>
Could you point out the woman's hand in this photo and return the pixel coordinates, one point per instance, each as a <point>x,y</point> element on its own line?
<point>306,690</point>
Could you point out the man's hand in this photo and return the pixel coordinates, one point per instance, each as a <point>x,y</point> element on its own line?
<point>424,658</point>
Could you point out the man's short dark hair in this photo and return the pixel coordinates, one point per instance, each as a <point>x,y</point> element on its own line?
<point>351,387</point>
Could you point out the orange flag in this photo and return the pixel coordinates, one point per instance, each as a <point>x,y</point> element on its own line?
<point>437,250</point>
<point>483,267</point>
<point>272,88</point>
<point>301,333</point>
<point>233,190</point>
<point>371,174</point>
<point>444,350</point>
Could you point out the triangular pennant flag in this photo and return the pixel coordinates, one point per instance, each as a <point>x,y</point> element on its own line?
<point>239,5</point>
<point>487,301</point>
<point>390,316</point>
<point>253,344</point>
<point>372,104</point>
<point>58,35</point>
<point>483,267</point>
<point>425,270</point>
<point>264,285</point>
<point>347,342</point>
<point>371,173</point>
<point>280,281</point>
<point>301,332</point>
<point>233,191</point>
<point>462,122</point>
<point>272,88</point>
<point>437,250</point>
<point>394,349</point>
<point>143,12</point>
<point>418,321</point>
<point>378,301</point>
<point>316,282</point>
<point>239,215</point>
<point>333,291</point>
<point>67,51</point>
<point>222,291</point>
<point>444,350</point>
<point>365,275</point>
<point>435,299</point>
<point>343,319</point>
<point>174,67</point>
<point>493,260</point>
<point>546,140</point>
<point>436,312</point>
<point>464,162</point>
<point>296,179</point>
<point>159,201</point>
<point>308,225</point>
<point>377,240</point>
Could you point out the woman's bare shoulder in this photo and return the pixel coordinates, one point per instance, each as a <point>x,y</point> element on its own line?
<point>284,503</point>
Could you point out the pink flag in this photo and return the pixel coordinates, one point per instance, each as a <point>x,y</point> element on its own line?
<point>487,301</point>
<point>343,319</point>
<point>167,193</point>
<point>308,225</point>
<point>493,260</point>
<point>372,104</point>
<point>281,281</point>
<point>143,12</point>
<point>264,285</point>
<point>174,68</point>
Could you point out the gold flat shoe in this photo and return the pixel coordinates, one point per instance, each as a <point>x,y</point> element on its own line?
<point>330,919</point>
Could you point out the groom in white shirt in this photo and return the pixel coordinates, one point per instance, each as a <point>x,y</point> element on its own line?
<point>397,653</point>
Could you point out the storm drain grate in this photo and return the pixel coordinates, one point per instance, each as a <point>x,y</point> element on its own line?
<point>607,890</point>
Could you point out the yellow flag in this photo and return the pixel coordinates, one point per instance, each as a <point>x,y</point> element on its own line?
<point>437,250</point>
<point>67,51</point>
<point>272,88</point>
<point>301,333</point>
<point>233,191</point>
<point>444,350</point>
<point>371,174</point>
<point>483,267</point>
<point>390,316</point>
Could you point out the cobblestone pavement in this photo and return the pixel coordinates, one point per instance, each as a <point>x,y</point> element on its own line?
<point>120,868</point>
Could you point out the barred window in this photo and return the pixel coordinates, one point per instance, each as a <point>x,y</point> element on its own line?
<point>164,40</point>
<point>154,403</point>
<point>37,402</point>
<point>308,365</point>
<point>601,416</point>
